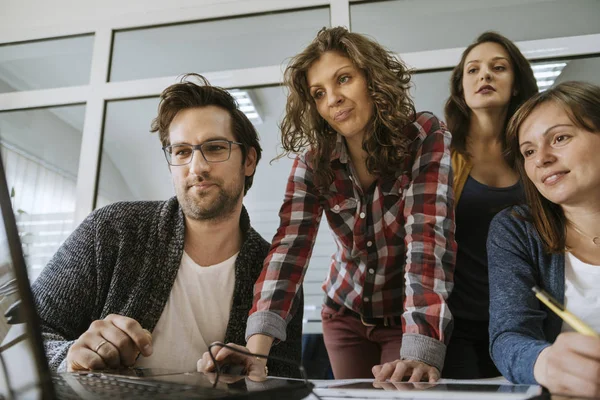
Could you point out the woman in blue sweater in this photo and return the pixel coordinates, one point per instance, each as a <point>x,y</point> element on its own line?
<point>554,243</point>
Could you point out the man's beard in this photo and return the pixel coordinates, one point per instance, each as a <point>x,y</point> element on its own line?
<point>222,207</point>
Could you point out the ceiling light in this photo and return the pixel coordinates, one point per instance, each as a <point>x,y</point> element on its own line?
<point>546,73</point>
<point>246,105</point>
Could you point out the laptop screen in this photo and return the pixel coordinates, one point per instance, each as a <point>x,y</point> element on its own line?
<point>23,368</point>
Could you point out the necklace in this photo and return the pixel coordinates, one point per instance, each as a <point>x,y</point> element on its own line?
<point>595,240</point>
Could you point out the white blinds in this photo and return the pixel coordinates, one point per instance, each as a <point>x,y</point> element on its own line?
<point>43,199</point>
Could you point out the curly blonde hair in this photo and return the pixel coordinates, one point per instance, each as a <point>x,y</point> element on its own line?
<point>388,83</point>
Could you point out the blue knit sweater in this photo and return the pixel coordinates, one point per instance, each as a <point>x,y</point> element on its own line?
<point>520,326</point>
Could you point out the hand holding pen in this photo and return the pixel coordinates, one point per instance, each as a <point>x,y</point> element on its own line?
<point>562,312</point>
<point>571,365</point>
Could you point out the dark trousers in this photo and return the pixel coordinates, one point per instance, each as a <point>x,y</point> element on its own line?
<point>467,355</point>
<point>314,357</point>
<point>353,348</point>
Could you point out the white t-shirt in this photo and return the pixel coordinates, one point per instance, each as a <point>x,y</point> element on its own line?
<point>582,292</point>
<point>195,315</point>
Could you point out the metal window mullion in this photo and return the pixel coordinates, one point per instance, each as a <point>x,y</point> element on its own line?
<point>561,47</point>
<point>43,98</point>
<point>91,141</point>
<point>340,13</point>
<point>571,46</point>
<point>250,77</point>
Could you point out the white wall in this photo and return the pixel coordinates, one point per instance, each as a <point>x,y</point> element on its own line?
<point>31,14</point>
<point>32,18</point>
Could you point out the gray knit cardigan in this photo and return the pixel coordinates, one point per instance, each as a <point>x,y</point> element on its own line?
<point>123,259</point>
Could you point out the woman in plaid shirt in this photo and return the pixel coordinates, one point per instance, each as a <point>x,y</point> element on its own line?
<point>381,173</point>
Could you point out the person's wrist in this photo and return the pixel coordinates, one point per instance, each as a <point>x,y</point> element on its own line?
<point>260,344</point>
<point>540,368</point>
<point>263,362</point>
<point>257,367</point>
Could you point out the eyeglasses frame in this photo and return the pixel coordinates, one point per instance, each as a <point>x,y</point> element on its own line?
<point>199,147</point>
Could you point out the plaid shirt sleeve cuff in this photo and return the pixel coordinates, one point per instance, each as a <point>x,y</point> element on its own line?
<point>266,323</point>
<point>423,348</point>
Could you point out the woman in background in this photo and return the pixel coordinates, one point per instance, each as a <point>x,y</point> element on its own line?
<point>491,81</point>
<point>381,173</point>
<point>553,243</point>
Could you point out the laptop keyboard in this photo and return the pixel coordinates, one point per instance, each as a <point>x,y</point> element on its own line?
<point>101,386</point>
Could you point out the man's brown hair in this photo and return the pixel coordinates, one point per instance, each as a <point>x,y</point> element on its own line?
<point>187,94</point>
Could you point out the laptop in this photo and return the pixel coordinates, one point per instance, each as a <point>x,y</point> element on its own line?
<point>24,370</point>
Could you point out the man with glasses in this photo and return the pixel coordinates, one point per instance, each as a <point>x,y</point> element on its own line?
<point>153,284</point>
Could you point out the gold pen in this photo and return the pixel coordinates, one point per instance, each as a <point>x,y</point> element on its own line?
<point>562,312</point>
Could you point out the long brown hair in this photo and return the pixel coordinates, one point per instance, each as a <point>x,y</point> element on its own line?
<point>388,83</point>
<point>581,101</point>
<point>458,114</point>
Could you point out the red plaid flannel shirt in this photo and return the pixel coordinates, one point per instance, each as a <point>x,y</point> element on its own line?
<point>396,247</point>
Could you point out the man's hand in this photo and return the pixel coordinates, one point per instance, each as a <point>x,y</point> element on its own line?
<point>395,371</point>
<point>254,367</point>
<point>570,366</point>
<point>112,342</point>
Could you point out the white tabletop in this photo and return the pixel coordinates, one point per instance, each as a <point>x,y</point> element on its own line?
<point>328,391</point>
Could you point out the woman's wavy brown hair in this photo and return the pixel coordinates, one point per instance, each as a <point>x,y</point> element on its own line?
<point>581,101</point>
<point>458,114</point>
<point>388,83</point>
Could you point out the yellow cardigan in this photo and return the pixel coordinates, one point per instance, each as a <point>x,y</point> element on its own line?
<point>461,168</point>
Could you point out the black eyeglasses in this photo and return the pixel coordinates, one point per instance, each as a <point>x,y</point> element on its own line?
<point>213,151</point>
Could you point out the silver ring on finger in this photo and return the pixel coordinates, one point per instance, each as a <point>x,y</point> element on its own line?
<point>102,343</point>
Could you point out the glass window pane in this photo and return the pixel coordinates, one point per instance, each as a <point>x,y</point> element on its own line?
<point>581,69</point>
<point>46,64</point>
<point>206,46</point>
<point>132,165</point>
<point>418,25</point>
<point>40,150</point>
<point>430,90</point>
